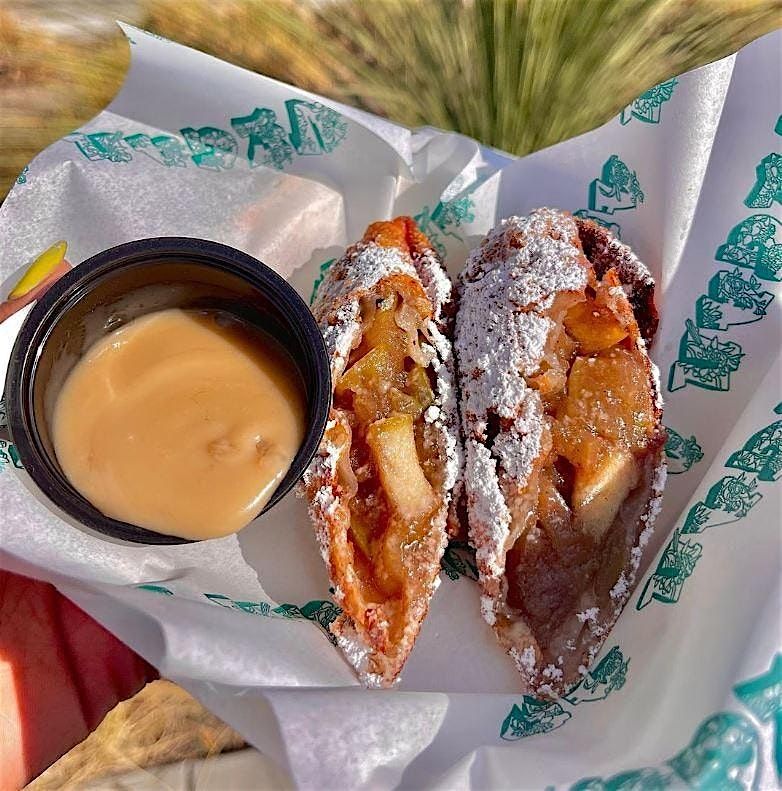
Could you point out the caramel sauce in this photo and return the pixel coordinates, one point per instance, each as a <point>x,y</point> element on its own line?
<point>182,422</point>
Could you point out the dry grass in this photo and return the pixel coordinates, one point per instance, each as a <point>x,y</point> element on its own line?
<point>516,75</point>
<point>523,75</point>
<point>162,723</point>
<point>49,88</point>
<point>278,38</point>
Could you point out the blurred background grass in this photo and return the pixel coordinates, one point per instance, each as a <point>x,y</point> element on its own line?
<point>515,74</point>
<point>518,75</point>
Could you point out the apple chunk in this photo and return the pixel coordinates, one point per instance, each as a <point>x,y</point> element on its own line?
<point>594,326</point>
<point>599,491</point>
<point>392,443</point>
<point>375,366</point>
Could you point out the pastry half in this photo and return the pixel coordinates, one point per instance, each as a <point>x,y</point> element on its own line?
<point>383,482</point>
<point>564,446</point>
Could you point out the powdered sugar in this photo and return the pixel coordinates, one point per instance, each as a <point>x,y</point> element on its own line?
<point>509,283</point>
<point>355,274</point>
<point>489,513</point>
<point>438,287</point>
<point>588,615</point>
<point>501,331</point>
<point>363,637</point>
<point>357,654</point>
<point>341,336</point>
<point>527,659</point>
<point>552,672</point>
<point>487,610</point>
<point>620,590</point>
<point>517,449</point>
<point>431,414</point>
<point>501,328</point>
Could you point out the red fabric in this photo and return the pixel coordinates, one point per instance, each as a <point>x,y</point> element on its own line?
<point>60,673</point>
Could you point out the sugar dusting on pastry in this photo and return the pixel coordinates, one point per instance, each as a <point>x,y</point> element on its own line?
<point>508,284</point>
<point>522,263</point>
<point>337,308</point>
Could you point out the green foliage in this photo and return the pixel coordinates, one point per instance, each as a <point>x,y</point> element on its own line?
<point>521,75</point>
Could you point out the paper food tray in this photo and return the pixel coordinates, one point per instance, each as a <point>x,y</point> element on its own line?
<point>688,687</point>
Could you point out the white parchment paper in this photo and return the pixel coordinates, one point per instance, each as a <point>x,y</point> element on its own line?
<point>688,687</point>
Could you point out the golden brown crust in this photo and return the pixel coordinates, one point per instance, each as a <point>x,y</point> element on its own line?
<point>393,257</point>
<point>517,291</point>
<point>605,252</point>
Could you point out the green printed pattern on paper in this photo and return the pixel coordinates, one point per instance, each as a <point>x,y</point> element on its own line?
<point>161,589</point>
<point>728,500</point>
<point>211,148</point>
<point>324,267</point>
<point>680,452</point>
<point>734,494</point>
<point>267,143</point>
<point>9,456</point>
<point>767,188</point>
<point>312,129</point>
<point>459,561</point>
<point>437,224</point>
<point>444,219</point>
<point>617,189</point>
<point>676,564</point>
<point>320,611</point>
<point>97,146</point>
<point>724,752</point>
<point>647,107</point>
<point>163,149</point>
<point>704,361</point>
<point>22,177</point>
<point>761,454</point>
<point>756,244</point>
<point>315,128</point>
<point>533,716</point>
<point>608,674</point>
<point>763,697</point>
<point>732,299</point>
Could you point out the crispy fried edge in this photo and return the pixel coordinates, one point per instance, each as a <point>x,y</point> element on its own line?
<point>629,272</point>
<point>365,646</point>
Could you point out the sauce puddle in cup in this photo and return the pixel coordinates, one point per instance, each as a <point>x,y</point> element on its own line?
<point>182,421</point>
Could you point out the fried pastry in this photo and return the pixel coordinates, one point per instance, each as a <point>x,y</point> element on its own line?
<point>385,478</point>
<point>564,447</point>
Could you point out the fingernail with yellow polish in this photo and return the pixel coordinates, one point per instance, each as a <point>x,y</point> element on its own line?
<point>40,269</point>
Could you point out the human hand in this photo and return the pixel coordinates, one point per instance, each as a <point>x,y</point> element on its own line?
<point>44,270</point>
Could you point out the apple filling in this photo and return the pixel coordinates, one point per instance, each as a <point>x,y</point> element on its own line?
<point>578,517</point>
<point>391,475</point>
